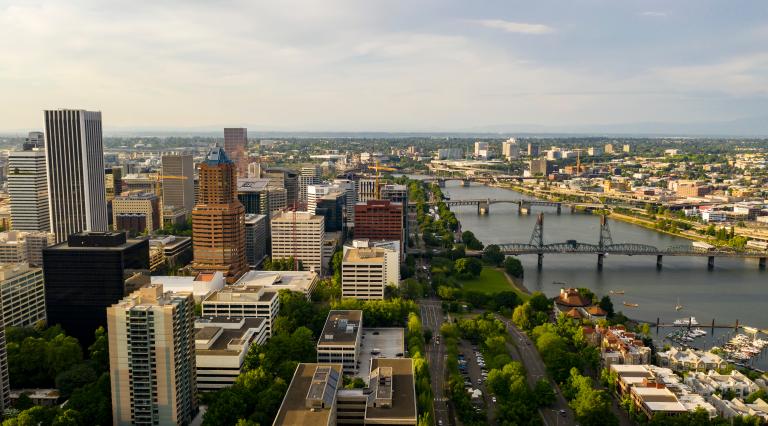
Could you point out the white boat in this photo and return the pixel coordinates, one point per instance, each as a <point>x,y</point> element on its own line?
<point>678,306</point>
<point>686,321</point>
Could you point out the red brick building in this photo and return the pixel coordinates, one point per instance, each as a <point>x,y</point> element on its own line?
<point>380,220</point>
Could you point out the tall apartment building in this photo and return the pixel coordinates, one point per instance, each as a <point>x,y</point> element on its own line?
<point>178,182</point>
<point>236,145</point>
<point>340,339</point>
<point>314,193</point>
<point>538,166</point>
<point>152,358</point>
<point>533,149</point>
<point>482,151</point>
<point>284,178</point>
<point>136,213</point>
<point>255,239</point>
<point>218,219</point>
<point>627,148</point>
<point>510,149</point>
<point>19,246</point>
<point>28,190</point>
<point>22,293</point>
<point>88,273</point>
<point>254,170</point>
<point>244,301</point>
<point>366,272</point>
<point>308,176</point>
<point>75,164</point>
<point>299,235</point>
<point>380,220</point>
<point>608,149</point>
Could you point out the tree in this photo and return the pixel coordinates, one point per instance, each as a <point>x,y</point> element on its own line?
<point>99,350</point>
<point>544,393</point>
<point>513,266</point>
<point>76,377</point>
<point>470,241</point>
<point>539,302</point>
<point>468,267</point>
<point>607,305</point>
<point>492,255</point>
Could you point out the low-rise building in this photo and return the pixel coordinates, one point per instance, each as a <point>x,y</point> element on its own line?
<point>200,285</point>
<point>221,345</point>
<point>23,246</point>
<point>737,407</point>
<point>317,396</point>
<point>340,339</point>
<point>622,347</point>
<point>243,301</point>
<point>300,281</point>
<point>707,384</point>
<point>42,397</point>
<point>690,360</point>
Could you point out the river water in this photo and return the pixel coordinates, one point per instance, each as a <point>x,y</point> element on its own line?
<point>734,290</point>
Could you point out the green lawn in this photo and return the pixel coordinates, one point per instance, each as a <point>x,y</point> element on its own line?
<point>491,281</point>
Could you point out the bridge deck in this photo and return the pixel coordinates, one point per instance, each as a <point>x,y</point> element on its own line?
<point>623,249</point>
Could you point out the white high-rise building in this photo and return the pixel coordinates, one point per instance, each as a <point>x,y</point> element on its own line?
<point>28,189</point>
<point>481,150</point>
<point>22,293</point>
<point>308,176</point>
<point>347,186</point>
<point>510,149</point>
<point>314,193</point>
<point>367,271</point>
<point>366,189</point>
<point>75,163</point>
<point>299,235</point>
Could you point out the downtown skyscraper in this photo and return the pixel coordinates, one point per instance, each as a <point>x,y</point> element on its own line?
<point>236,146</point>
<point>75,164</point>
<point>218,219</point>
<point>28,188</point>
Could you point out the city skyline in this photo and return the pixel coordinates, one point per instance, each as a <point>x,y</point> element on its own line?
<point>688,67</point>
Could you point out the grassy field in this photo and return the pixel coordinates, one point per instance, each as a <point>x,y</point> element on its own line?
<point>491,281</point>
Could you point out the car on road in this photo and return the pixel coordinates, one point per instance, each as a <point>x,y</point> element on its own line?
<point>439,423</point>
<point>493,399</point>
<point>562,413</point>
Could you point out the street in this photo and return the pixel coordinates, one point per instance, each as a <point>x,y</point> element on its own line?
<point>526,353</point>
<point>431,319</point>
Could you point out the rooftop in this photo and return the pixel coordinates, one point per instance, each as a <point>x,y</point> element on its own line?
<point>301,281</point>
<point>402,391</point>
<point>217,156</point>
<point>243,294</point>
<point>365,255</point>
<point>294,411</point>
<point>252,184</point>
<point>341,328</point>
<point>224,336</point>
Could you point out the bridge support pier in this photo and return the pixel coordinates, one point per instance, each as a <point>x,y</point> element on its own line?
<point>761,263</point>
<point>540,260</point>
<point>483,208</point>
<point>441,183</point>
<point>659,261</point>
<point>465,182</point>
<point>710,262</point>
<point>600,258</point>
<point>559,209</point>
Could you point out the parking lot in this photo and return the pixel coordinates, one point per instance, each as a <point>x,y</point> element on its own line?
<point>473,369</point>
<point>379,343</point>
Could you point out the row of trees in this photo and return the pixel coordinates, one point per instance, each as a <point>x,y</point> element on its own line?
<point>47,358</point>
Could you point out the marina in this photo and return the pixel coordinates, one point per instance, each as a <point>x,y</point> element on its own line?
<point>731,293</point>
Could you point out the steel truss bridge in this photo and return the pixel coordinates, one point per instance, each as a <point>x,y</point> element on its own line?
<point>605,246</point>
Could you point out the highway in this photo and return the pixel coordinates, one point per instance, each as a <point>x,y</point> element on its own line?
<point>535,370</point>
<point>431,319</point>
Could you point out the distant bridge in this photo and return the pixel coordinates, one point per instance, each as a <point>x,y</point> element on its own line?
<point>524,206</point>
<point>605,246</point>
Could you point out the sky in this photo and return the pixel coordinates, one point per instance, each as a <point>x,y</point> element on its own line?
<point>385,65</point>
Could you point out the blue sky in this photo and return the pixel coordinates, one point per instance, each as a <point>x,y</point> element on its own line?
<point>384,65</point>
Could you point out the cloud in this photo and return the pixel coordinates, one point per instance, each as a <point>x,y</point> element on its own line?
<point>516,27</point>
<point>654,14</point>
<point>735,76</point>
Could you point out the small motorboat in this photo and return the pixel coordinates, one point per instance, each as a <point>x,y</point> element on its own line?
<point>631,305</point>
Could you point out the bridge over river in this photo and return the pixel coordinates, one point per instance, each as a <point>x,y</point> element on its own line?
<point>524,206</point>
<point>605,247</point>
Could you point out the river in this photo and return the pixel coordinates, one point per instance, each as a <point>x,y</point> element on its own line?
<point>734,290</point>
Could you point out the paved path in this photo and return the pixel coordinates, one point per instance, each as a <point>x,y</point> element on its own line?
<point>431,319</point>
